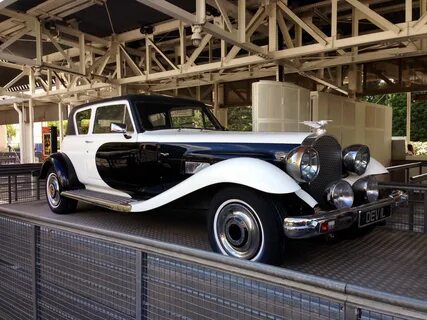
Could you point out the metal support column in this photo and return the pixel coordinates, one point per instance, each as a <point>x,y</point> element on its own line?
<point>30,131</point>
<point>408,117</point>
<point>61,121</point>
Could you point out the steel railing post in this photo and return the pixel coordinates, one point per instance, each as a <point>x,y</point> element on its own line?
<point>9,188</point>
<point>425,211</point>
<point>16,188</point>
<point>138,278</point>
<point>411,211</point>
<point>34,257</point>
<point>352,312</point>
<point>38,188</point>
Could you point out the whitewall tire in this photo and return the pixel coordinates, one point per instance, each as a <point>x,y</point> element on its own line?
<point>246,224</point>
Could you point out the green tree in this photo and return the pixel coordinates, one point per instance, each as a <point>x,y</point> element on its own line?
<point>418,114</point>
<point>239,118</point>
<point>10,130</point>
<point>418,117</point>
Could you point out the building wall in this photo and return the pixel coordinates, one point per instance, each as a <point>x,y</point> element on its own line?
<point>356,122</point>
<point>279,106</point>
<point>3,139</point>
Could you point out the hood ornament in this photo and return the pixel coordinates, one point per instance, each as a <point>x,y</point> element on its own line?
<point>318,125</point>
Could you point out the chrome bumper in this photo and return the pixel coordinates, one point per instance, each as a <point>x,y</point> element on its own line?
<point>330,221</point>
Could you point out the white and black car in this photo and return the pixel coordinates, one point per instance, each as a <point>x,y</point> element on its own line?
<point>137,153</point>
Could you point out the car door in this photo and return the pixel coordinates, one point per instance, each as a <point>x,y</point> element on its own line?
<point>73,145</point>
<point>110,155</point>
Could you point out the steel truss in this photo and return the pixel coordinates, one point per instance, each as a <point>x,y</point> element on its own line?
<point>240,42</point>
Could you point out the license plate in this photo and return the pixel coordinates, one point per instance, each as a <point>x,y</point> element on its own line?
<point>369,217</point>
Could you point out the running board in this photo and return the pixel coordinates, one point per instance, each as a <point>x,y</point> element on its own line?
<point>101,199</point>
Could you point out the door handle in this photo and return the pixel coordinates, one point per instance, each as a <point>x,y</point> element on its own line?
<point>164,154</point>
<point>88,141</point>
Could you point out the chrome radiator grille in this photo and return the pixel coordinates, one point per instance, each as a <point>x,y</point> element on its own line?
<point>330,164</point>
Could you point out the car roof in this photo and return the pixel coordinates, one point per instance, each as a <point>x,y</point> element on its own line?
<point>140,97</point>
<point>131,98</point>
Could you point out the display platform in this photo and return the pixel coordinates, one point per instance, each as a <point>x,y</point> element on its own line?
<point>384,259</point>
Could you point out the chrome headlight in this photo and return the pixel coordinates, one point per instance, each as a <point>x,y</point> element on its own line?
<point>302,163</point>
<point>339,194</point>
<point>356,158</point>
<point>366,190</point>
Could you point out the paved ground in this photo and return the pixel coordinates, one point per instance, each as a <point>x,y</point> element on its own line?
<point>385,259</point>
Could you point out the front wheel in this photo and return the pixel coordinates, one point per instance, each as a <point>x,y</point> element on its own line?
<point>246,224</point>
<point>56,202</point>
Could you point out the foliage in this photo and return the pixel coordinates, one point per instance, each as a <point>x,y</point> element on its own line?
<point>56,124</point>
<point>10,130</point>
<point>239,119</point>
<point>418,114</point>
<point>420,148</point>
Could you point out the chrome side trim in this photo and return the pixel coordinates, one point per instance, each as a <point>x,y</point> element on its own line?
<point>309,226</point>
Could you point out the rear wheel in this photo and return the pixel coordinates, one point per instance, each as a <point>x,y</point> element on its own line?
<point>56,202</point>
<point>246,224</point>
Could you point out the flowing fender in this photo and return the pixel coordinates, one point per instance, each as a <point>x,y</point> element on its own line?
<point>64,169</point>
<point>249,172</point>
<point>374,168</point>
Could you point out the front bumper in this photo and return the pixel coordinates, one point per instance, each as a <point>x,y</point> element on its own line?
<point>335,220</point>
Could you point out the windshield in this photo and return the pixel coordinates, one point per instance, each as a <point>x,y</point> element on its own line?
<point>156,116</point>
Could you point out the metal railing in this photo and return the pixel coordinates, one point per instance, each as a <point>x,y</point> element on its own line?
<point>407,167</point>
<point>413,216</point>
<point>20,183</point>
<point>9,158</point>
<point>57,270</point>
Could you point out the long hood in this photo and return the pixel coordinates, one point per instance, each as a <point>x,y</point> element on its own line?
<point>206,136</point>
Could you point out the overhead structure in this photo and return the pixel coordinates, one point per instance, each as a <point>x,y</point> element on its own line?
<point>324,42</point>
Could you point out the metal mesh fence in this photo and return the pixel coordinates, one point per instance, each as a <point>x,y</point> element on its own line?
<point>373,315</point>
<point>16,269</point>
<point>21,188</point>
<point>410,217</point>
<point>95,279</point>
<point>48,273</point>
<point>175,289</point>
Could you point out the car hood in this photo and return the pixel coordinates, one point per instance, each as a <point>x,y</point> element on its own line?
<point>207,136</point>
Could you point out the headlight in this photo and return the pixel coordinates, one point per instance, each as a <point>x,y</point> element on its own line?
<point>302,163</point>
<point>356,158</point>
<point>366,190</point>
<point>339,194</point>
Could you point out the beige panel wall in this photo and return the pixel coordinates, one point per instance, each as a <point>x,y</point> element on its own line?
<point>3,139</point>
<point>356,122</point>
<point>278,106</point>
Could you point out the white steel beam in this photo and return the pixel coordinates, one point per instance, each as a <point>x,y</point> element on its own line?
<point>221,7</point>
<point>284,29</point>
<point>301,23</point>
<point>374,17</point>
<point>14,80</point>
<point>187,17</point>
<point>14,38</point>
<point>241,20</point>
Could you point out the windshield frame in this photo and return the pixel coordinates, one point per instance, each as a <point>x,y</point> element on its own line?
<point>138,106</point>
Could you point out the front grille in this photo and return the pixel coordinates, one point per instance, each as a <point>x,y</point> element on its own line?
<point>330,164</point>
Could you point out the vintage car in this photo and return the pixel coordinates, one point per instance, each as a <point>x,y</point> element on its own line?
<point>138,153</point>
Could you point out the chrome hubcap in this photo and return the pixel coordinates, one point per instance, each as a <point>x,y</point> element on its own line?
<point>238,230</point>
<point>52,192</point>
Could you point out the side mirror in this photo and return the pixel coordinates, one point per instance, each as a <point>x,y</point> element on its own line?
<point>118,127</point>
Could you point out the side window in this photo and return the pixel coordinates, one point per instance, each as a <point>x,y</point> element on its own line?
<point>83,121</point>
<point>106,115</point>
<point>157,119</point>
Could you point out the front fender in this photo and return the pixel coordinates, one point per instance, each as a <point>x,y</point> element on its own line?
<point>249,172</point>
<point>374,168</point>
<point>63,168</point>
